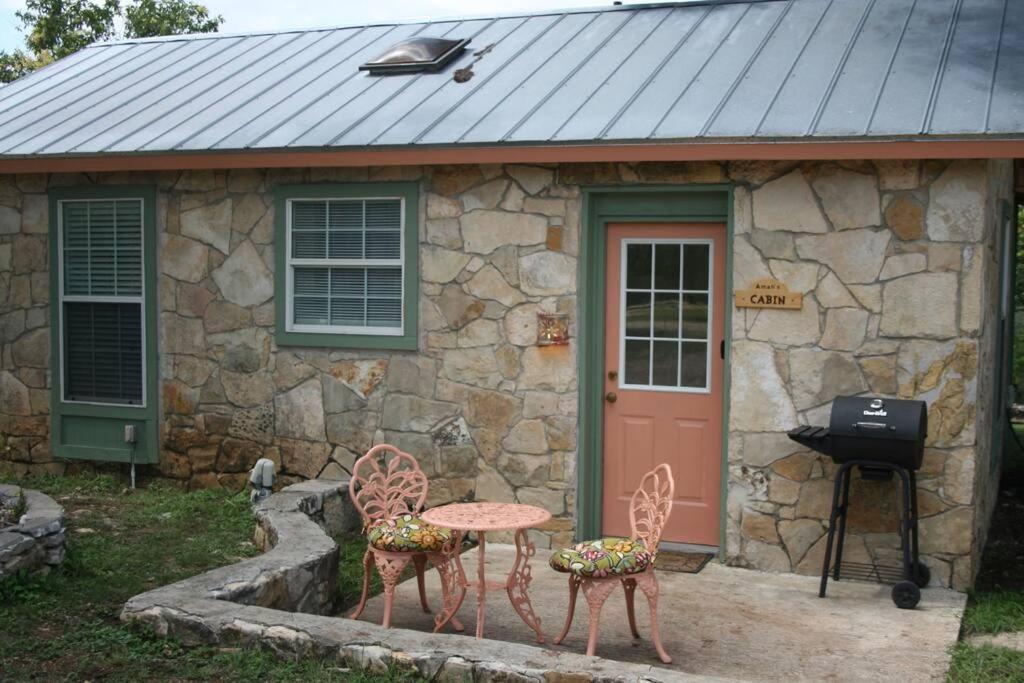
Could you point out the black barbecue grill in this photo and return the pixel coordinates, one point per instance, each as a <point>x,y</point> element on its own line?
<point>881,438</point>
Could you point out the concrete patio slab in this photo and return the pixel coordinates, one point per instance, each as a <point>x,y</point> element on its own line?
<point>726,622</point>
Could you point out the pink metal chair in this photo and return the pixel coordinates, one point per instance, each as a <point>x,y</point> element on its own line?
<point>597,566</point>
<point>388,488</point>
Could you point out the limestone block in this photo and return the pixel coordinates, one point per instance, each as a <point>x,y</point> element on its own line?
<point>868,296</point>
<point>533,179</point>
<point>774,245</point>
<point>856,256</point>
<point>412,375</point>
<point>10,220</point>
<point>787,326</point>
<point>845,329</point>
<point>747,264</point>
<point>905,216</point>
<point>958,481</point>
<point>899,265</point>
<point>14,396</point>
<point>485,196</point>
<point>527,436</point>
<point>444,232</point>
<point>247,390</point>
<point>880,374</point>
<point>476,366</point>
<point>35,214</point>
<point>788,203</point>
<point>548,367</point>
<point>898,174</point>
<point>956,203</point>
<point>491,410</point>
<point>483,231</point>
<point>299,413</point>
<point>547,273</point>
<point>759,527</point>
<point>441,265</point>
<point>971,295</point>
<point>819,376</point>
<point>949,533</point>
<point>945,257</point>
<point>480,332</point>
<point>489,284</point>
<point>759,449</point>
<point>223,316</point>
<point>442,207</point>
<point>799,277</point>
<point>850,199</point>
<point>182,335</point>
<point>244,278</point>
<point>32,349</point>
<point>759,401</point>
<point>766,557</point>
<point>210,224</point>
<point>921,305</point>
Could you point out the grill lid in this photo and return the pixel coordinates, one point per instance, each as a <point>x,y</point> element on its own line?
<point>877,418</point>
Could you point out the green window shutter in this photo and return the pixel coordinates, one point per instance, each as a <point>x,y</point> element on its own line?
<point>102,301</point>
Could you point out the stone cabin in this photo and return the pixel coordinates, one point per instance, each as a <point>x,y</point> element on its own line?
<point>246,246</point>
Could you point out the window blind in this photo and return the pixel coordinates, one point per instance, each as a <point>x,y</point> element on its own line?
<point>347,266</point>
<point>101,253</point>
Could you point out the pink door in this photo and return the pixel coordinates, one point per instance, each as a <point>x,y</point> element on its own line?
<point>663,372</point>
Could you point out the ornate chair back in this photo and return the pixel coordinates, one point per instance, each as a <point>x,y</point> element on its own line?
<point>386,483</point>
<point>651,506</point>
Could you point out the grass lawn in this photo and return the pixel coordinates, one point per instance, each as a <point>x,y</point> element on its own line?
<point>996,604</point>
<point>64,626</point>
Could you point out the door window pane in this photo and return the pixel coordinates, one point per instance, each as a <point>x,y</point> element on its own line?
<point>638,362</point>
<point>666,315</point>
<point>695,316</point>
<point>666,266</point>
<point>638,314</point>
<point>638,266</point>
<point>696,264</point>
<point>695,365</point>
<point>665,364</point>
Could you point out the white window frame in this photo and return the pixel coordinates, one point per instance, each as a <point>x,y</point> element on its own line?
<point>291,263</point>
<point>106,299</point>
<point>682,242</point>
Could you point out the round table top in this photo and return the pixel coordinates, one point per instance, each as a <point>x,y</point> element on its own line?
<point>486,516</point>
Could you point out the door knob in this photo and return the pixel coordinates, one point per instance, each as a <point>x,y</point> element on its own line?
<point>611,397</point>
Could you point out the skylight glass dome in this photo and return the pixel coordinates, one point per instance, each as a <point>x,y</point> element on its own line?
<point>416,54</point>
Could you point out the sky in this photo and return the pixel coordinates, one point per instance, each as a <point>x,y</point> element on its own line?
<point>257,15</point>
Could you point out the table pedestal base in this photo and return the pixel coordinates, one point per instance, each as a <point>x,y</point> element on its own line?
<point>516,585</point>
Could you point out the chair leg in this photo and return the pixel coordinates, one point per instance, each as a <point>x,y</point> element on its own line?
<point>421,565</point>
<point>390,569</point>
<point>367,568</point>
<point>648,583</point>
<point>574,588</point>
<point>629,586</point>
<point>596,592</point>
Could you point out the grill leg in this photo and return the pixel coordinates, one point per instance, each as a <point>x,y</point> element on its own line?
<point>832,528</point>
<point>842,523</point>
<point>906,523</point>
<point>913,511</point>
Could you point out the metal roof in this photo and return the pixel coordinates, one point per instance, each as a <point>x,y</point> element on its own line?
<point>696,71</point>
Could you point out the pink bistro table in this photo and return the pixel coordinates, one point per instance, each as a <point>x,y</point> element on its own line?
<point>481,518</point>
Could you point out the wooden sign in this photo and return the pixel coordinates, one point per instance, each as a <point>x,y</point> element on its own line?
<point>769,293</point>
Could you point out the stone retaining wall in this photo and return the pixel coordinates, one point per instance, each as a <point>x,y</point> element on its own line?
<point>36,543</point>
<point>274,602</point>
<point>896,260</point>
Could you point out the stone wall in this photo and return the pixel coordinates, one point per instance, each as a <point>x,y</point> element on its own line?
<point>35,542</point>
<point>894,258</point>
<point>895,262</point>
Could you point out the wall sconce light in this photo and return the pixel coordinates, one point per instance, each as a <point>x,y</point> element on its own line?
<point>552,329</point>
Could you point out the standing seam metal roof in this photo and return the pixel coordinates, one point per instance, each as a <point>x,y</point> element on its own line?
<point>686,71</point>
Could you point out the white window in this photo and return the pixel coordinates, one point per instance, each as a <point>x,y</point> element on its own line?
<point>345,265</point>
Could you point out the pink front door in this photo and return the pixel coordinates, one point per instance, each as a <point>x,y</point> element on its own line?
<point>663,372</point>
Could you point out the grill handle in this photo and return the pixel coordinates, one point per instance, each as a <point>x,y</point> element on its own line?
<point>873,425</point>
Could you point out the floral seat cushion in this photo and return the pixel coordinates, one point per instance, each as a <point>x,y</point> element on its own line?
<point>407,533</point>
<point>611,556</point>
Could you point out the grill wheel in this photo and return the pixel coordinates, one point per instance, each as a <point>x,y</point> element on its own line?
<point>906,594</point>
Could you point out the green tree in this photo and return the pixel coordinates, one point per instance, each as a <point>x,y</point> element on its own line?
<point>57,28</point>
<point>147,18</point>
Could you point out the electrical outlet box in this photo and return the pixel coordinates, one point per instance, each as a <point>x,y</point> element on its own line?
<point>130,435</point>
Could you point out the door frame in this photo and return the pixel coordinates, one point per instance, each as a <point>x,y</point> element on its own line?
<point>603,205</point>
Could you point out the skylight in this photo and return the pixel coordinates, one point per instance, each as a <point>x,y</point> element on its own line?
<point>415,55</point>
